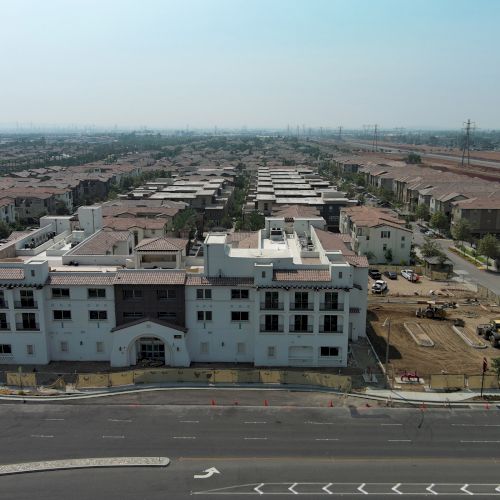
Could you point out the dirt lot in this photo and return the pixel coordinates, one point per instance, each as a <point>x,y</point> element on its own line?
<point>450,353</point>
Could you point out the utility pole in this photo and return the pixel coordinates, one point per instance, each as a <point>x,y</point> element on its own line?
<point>468,127</point>
<point>375,138</point>
<point>340,133</point>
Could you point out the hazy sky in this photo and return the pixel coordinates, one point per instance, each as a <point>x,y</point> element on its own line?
<point>267,63</point>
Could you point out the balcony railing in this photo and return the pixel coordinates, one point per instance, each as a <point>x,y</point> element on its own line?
<point>25,304</point>
<point>271,306</point>
<point>301,329</point>
<point>4,304</point>
<point>4,325</point>
<point>331,306</point>
<point>28,326</point>
<point>326,329</point>
<point>271,329</point>
<point>302,306</point>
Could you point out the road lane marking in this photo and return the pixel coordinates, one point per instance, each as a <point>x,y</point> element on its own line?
<point>387,425</point>
<point>477,441</point>
<point>41,436</point>
<point>327,439</point>
<point>54,419</point>
<point>113,437</point>
<point>255,422</point>
<point>119,420</point>
<point>184,437</point>
<point>475,425</point>
<point>319,423</point>
<point>189,421</point>
<point>399,440</point>
<point>255,438</point>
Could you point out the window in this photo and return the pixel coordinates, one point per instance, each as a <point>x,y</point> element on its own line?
<point>167,316</point>
<point>271,300</point>
<point>239,294</point>
<point>271,351</point>
<point>5,349</point>
<point>99,346</point>
<point>96,293</point>
<point>203,293</point>
<point>30,350</point>
<point>132,294</point>
<point>61,315</point>
<point>64,347</point>
<point>241,348</point>
<point>385,234</point>
<point>204,348</point>
<point>263,274</point>
<point>60,293</point>
<point>331,300</point>
<point>98,315</point>
<point>330,323</point>
<point>301,300</point>
<point>402,238</point>
<point>300,323</point>
<point>27,298</point>
<point>271,323</point>
<point>28,321</point>
<point>133,315</point>
<point>384,247</point>
<point>3,321</point>
<point>329,352</point>
<point>340,275</point>
<point>239,315</point>
<point>204,315</point>
<point>166,294</point>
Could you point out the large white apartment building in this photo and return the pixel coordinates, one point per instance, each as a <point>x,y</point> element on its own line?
<point>291,294</point>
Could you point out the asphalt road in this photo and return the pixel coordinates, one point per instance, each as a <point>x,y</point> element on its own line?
<point>256,451</point>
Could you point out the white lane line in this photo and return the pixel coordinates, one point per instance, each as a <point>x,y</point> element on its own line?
<point>255,422</point>
<point>475,425</point>
<point>255,439</point>
<point>41,436</point>
<point>399,440</point>
<point>319,423</point>
<point>113,437</point>
<point>189,421</point>
<point>119,420</point>
<point>54,419</point>
<point>391,425</point>
<point>478,441</point>
<point>326,439</point>
<point>184,437</point>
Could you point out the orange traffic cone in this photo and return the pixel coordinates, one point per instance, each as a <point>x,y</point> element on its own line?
<point>266,403</point>
<point>213,402</point>
<point>330,404</point>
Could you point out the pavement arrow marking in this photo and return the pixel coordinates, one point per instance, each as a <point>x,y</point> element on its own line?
<point>395,489</point>
<point>497,489</point>
<point>326,490</point>
<point>257,489</point>
<point>465,490</point>
<point>208,473</point>
<point>292,488</point>
<point>430,490</point>
<point>360,488</point>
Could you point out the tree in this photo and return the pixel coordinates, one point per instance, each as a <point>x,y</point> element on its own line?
<point>430,248</point>
<point>440,221</point>
<point>488,246</point>
<point>256,221</point>
<point>369,255</point>
<point>422,212</point>
<point>495,364</point>
<point>413,158</point>
<point>461,231</point>
<point>388,255</point>
<point>5,230</point>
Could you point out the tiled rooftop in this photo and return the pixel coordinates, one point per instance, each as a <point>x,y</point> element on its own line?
<point>100,243</point>
<point>11,273</point>
<point>149,277</point>
<point>218,281</point>
<point>162,244</point>
<point>81,278</point>
<point>301,275</point>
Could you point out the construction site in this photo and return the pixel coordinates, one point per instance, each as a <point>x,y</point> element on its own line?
<point>431,334</point>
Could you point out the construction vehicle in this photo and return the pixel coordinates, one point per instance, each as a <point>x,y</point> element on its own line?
<point>431,311</point>
<point>490,332</point>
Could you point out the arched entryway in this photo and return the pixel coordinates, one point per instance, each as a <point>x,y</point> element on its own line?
<point>148,348</point>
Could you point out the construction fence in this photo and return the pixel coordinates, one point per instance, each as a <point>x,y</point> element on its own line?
<point>184,375</point>
<point>460,381</point>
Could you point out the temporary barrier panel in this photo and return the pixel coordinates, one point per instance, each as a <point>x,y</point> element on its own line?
<point>248,376</point>
<point>271,376</point>
<point>121,378</point>
<point>490,381</point>
<point>93,380</point>
<point>21,379</point>
<point>225,376</point>
<point>449,381</point>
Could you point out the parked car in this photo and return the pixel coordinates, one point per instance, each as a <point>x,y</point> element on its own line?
<point>380,286</point>
<point>410,275</point>
<point>392,275</point>
<point>374,274</point>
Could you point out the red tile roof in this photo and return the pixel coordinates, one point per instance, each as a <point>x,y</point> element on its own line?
<point>149,277</point>
<point>357,260</point>
<point>162,244</point>
<point>332,241</point>
<point>301,275</point>
<point>11,273</point>
<point>81,278</point>
<point>218,281</point>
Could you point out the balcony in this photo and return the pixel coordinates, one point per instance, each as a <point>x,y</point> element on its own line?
<point>33,327</point>
<point>25,304</point>
<point>301,329</point>
<point>271,306</point>
<point>4,304</point>
<point>4,325</point>
<point>331,306</point>
<point>271,329</point>
<point>333,330</point>
<point>302,306</point>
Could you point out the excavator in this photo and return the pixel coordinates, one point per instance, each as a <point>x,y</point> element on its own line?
<point>490,331</point>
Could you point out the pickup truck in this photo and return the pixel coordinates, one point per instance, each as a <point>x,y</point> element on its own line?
<point>410,275</point>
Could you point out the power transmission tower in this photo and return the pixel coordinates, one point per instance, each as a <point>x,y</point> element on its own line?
<point>340,133</point>
<point>468,129</point>
<point>375,138</point>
